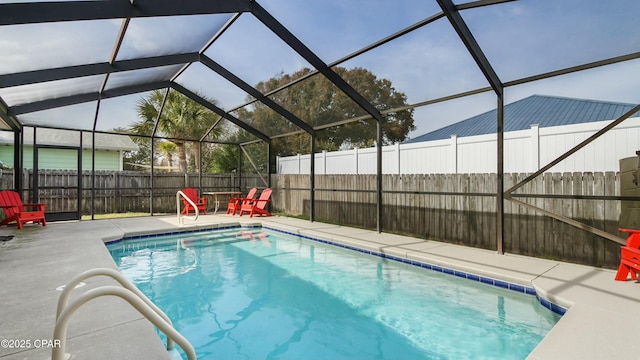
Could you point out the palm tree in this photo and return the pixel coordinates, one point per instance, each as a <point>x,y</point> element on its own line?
<point>182,120</point>
<point>168,148</point>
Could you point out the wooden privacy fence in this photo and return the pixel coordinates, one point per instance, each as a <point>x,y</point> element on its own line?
<point>120,191</point>
<point>117,192</point>
<point>456,208</point>
<point>460,209</point>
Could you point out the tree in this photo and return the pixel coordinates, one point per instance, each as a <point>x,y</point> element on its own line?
<point>317,101</point>
<point>226,159</point>
<point>226,156</point>
<point>182,119</point>
<point>168,149</point>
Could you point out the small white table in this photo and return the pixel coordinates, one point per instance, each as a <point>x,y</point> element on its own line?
<point>217,194</point>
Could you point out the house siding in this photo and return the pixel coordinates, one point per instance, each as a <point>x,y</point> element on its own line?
<point>61,159</point>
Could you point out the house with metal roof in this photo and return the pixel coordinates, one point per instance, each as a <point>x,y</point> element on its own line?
<point>58,149</point>
<point>543,111</point>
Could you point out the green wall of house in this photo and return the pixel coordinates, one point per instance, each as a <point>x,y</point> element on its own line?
<point>61,159</point>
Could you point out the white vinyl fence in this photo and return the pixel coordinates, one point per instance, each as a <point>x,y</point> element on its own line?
<point>525,152</point>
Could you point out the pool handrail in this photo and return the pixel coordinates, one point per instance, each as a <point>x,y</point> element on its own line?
<point>63,300</point>
<point>195,207</point>
<point>60,329</point>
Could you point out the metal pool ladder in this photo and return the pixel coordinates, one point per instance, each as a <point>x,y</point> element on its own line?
<point>127,291</point>
<point>180,217</point>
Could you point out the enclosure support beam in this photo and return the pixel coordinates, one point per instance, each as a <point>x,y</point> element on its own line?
<point>239,167</point>
<point>452,13</point>
<point>17,160</point>
<point>93,159</point>
<point>83,98</point>
<point>454,17</point>
<point>312,180</point>
<point>220,70</point>
<point>269,165</point>
<point>153,150</point>
<point>157,121</point>
<point>374,45</point>
<point>199,159</point>
<point>193,96</point>
<point>153,134</point>
<point>255,168</point>
<point>79,184</point>
<point>509,193</point>
<point>379,176</point>
<point>299,47</point>
<point>93,176</point>
<point>76,71</point>
<point>500,178</point>
<point>573,150</point>
<point>42,12</point>
<point>34,194</point>
<point>11,121</point>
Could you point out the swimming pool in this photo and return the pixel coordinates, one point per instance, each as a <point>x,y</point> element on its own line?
<point>261,294</point>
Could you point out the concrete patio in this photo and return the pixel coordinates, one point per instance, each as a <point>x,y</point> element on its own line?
<point>602,322</point>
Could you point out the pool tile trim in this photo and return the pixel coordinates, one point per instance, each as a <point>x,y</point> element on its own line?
<point>470,276</point>
<point>169,233</point>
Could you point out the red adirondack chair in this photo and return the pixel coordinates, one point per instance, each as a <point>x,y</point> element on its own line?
<point>200,202</point>
<point>258,206</point>
<point>629,257</point>
<point>235,203</point>
<point>14,210</point>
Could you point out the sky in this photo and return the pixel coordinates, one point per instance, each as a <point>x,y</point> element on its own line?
<point>520,39</point>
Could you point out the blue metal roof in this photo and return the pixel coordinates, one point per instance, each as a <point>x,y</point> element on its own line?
<point>545,111</point>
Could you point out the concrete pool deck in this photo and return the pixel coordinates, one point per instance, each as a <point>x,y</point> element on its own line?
<point>603,320</point>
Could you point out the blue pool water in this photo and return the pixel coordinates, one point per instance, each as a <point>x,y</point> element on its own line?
<point>259,294</point>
